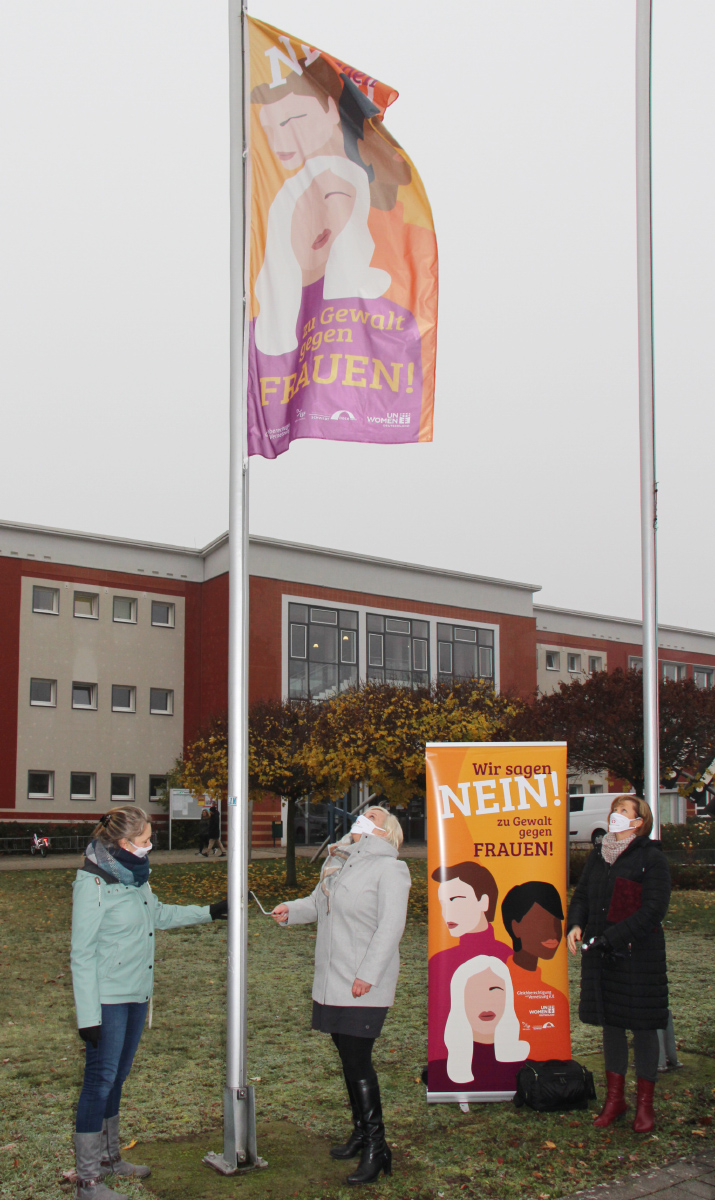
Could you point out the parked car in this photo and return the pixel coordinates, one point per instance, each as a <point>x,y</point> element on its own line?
<point>588,816</point>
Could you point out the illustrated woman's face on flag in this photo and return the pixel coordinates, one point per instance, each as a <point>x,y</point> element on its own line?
<point>298,127</point>
<point>484,1004</point>
<point>321,213</point>
<point>463,911</point>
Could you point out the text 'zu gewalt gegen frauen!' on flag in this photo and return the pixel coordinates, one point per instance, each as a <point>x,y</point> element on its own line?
<point>343,258</point>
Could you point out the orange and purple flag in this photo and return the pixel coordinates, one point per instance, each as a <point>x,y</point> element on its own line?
<point>343,258</point>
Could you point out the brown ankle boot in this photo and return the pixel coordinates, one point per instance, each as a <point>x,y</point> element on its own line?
<point>615,1105</point>
<point>645,1117</point>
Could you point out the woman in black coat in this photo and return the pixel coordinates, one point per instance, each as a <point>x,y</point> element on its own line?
<point>618,909</point>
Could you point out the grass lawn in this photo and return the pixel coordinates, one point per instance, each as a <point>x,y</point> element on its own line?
<point>173,1099</point>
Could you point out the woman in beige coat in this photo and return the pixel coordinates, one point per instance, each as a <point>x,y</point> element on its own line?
<point>360,905</point>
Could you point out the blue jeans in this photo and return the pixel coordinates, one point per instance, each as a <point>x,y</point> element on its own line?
<point>107,1066</point>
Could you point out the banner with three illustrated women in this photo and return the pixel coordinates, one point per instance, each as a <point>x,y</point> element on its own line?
<point>497,844</point>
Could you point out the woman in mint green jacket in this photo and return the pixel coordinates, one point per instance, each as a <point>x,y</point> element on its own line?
<point>114,916</point>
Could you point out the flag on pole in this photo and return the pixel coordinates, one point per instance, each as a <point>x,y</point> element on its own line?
<point>342,321</point>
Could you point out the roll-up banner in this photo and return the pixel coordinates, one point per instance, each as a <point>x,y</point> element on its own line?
<point>497,845</point>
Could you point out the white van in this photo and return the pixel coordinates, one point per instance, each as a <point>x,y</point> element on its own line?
<point>588,816</point>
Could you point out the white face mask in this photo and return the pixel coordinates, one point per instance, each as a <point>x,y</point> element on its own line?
<point>140,851</point>
<point>619,822</point>
<point>363,825</point>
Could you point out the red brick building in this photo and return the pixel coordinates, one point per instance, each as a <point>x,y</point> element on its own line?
<point>113,653</point>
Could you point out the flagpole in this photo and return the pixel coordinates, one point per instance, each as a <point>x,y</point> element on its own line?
<point>651,750</point>
<point>239,1132</point>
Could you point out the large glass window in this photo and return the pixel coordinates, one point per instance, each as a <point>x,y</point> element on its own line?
<point>703,677</point>
<point>464,653</point>
<point>398,650</point>
<point>322,651</point>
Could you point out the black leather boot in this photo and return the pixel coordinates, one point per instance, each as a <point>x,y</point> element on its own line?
<point>356,1140</point>
<point>376,1155</point>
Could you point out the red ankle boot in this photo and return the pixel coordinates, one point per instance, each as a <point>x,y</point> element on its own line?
<point>615,1105</point>
<point>645,1117</point>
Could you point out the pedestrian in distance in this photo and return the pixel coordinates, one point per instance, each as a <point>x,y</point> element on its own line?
<point>114,916</point>
<point>617,913</point>
<point>360,905</point>
<point>204,833</point>
<point>215,833</point>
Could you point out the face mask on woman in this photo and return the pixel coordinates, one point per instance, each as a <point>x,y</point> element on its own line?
<point>363,824</point>
<point>619,822</point>
<point>140,851</point>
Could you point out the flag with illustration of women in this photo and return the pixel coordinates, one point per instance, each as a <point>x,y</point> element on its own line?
<point>497,842</point>
<point>343,257</point>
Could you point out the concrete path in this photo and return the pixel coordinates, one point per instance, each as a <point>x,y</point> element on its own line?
<point>29,862</point>
<point>687,1179</point>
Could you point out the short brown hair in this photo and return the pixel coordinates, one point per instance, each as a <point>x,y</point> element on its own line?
<point>129,821</point>
<point>643,811</point>
<point>476,877</point>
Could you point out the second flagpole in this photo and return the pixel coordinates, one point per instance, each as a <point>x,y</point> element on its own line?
<point>239,1135</point>
<point>651,731</point>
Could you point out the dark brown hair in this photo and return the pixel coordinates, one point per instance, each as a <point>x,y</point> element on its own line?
<point>476,877</point>
<point>642,810</point>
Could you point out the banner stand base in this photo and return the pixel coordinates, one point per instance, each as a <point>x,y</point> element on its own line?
<point>239,1135</point>
<point>466,1098</point>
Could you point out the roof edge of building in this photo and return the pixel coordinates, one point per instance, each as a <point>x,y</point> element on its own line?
<point>576,612</point>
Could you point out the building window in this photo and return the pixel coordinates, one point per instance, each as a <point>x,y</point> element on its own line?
<point>397,650</point>
<point>40,785</point>
<point>595,789</point>
<point>576,789</point>
<point>674,671</point>
<point>86,604</point>
<point>162,614</point>
<point>84,695</point>
<point>83,785</point>
<point>322,651</point>
<point>125,610</point>
<point>157,787</point>
<point>43,693</point>
<point>635,664</point>
<point>553,660</point>
<point>123,787</point>
<point>702,677</point>
<point>161,702</point>
<point>574,664</point>
<point>124,698</point>
<point>464,653</point>
<point>46,600</point>
<point>595,664</point>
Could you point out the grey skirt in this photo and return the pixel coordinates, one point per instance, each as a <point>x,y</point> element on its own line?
<point>349,1019</point>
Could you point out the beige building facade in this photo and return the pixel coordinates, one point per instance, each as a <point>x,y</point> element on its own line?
<point>100,695</point>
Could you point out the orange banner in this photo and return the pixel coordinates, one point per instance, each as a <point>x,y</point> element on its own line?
<point>343,257</point>
<point>497,845</point>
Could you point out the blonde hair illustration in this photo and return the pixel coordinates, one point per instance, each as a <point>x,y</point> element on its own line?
<point>458,1036</point>
<point>279,287</point>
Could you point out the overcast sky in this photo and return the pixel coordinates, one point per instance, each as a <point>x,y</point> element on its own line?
<point>519,114</point>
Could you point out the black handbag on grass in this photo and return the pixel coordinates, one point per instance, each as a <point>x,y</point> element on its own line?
<point>554,1086</point>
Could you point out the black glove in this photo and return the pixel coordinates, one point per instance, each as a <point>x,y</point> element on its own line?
<point>219,911</point>
<point>91,1033</point>
<point>599,943</point>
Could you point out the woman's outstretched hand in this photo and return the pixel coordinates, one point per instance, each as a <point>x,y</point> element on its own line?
<point>360,988</point>
<point>280,914</point>
<point>574,937</point>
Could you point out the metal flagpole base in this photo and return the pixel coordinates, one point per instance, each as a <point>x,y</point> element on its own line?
<point>239,1135</point>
